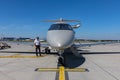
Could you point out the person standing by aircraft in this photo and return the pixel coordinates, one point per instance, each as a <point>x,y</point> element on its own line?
<point>37,46</point>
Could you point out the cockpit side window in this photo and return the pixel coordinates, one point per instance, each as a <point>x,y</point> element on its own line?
<point>60,27</point>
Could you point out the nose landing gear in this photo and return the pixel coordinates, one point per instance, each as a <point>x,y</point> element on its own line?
<point>61,58</point>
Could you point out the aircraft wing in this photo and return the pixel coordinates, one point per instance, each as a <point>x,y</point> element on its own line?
<point>92,44</point>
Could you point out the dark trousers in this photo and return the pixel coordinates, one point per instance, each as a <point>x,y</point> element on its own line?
<point>38,50</point>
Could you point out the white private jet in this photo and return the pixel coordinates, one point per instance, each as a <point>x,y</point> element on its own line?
<point>61,35</point>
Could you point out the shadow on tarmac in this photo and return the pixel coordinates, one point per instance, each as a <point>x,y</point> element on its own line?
<point>72,61</point>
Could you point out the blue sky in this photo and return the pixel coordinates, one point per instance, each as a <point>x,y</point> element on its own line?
<point>100,19</point>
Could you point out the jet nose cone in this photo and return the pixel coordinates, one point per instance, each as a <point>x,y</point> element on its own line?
<point>61,44</point>
<point>60,39</point>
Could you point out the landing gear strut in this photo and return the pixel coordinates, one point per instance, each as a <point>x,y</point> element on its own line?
<point>61,60</point>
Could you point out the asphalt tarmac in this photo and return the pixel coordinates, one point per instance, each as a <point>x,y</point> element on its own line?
<point>101,66</point>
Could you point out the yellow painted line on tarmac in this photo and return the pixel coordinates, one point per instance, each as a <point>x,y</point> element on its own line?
<point>61,73</point>
<point>20,56</point>
<point>47,69</point>
<point>77,70</point>
<point>62,70</point>
<point>67,69</point>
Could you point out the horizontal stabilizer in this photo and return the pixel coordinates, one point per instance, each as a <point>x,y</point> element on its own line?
<point>61,20</point>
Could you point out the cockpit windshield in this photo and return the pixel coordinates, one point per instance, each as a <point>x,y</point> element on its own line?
<point>60,27</point>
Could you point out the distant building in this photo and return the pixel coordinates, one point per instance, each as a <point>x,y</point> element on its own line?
<point>8,38</point>
<point>23,39</point>
<point>15,39</point>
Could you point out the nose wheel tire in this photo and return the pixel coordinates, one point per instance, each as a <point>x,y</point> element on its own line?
<point>61,61</point>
